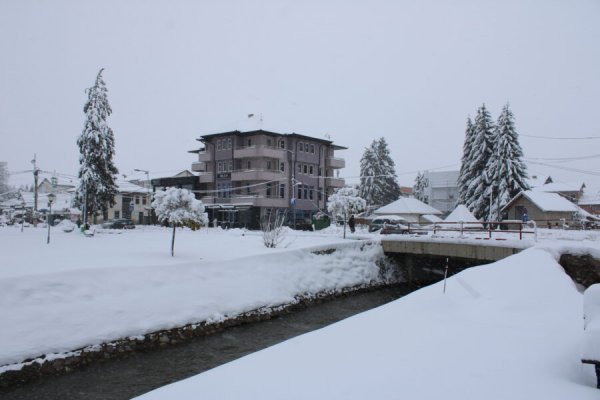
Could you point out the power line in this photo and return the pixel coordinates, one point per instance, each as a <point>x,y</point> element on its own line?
<point>561,138</point>
<point>581,171</point>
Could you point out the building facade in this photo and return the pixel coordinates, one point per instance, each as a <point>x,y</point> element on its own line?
<point>245,176</point>
<point>441,190</point>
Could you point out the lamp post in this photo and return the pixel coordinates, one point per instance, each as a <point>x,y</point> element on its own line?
<point>51,198</point>
<point>145,171</point>
<point>22,214</point>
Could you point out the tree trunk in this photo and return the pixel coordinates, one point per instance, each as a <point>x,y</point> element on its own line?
<point>173,243</point>
<point>345,223</point>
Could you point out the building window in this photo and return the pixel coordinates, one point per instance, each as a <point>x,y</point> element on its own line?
<point>269,189</point>
<point>269,142</point>
<point>305,168</point>
<point>299,168</point>
<point>305,188</point>
<point>300,146</point>
<point>282,190</point>
<point>282,144</point>
<point>249,142</point>
<point>220,167</point>
<point>310,192</point>
<point>312,148</point>
<point>219,144</point>
<point>268,165</point>
<point>310,170</point>
<point>306,147</point>
<point>282,167</point>
<point>320,171</point>
<point>144,201</point>
<point>249,165</point>
<point>137,200</point>
<point>229,143</point>
<point>117,214</point>
<point>299,192</point>
<point>230,165</point>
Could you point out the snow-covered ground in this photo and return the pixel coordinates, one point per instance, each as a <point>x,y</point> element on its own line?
<point>79,291</point>
<point>506,330</point>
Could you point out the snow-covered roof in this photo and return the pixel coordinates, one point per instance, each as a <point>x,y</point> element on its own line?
<point>407,205</point>
<point>431,218</point>
<point>540,180</point>
<point>546,201</point>
<point>128,187</point>
<point>557,187</point>
<point>461,214</point>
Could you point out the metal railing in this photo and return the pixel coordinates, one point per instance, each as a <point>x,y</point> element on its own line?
<point>490,228</point>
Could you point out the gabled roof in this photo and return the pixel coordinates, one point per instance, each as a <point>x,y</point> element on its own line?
<point>269,133</point>
<point>560,187</point>
<point>546,201</point>
<point>407,205</point>
<point>461,214</point>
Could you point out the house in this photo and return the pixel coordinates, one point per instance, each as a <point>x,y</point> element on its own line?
<point>411,209</point>
<point>590,202</point>
<point>441,190</point>
<point>570,191</point>
<point>245,175</point>
<point>46,186</point>
<point>132,202</point>
<point>461,216</point>
<point>545,208</point>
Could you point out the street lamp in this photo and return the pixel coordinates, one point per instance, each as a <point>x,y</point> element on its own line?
<point>51,198</point>
<point>145,171</point>
<point>22,213</point>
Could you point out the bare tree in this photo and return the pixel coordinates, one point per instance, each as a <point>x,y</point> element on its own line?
<point>273,229</point>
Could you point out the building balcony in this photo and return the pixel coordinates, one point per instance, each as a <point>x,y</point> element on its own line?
<point>205,156</point>
<point>247,200</point>
<point>336,163</point>
<point>199,166</point>
<point>206,177</point>
<point>258,175</point>
<point>336,182</point>
<point>260,152</point>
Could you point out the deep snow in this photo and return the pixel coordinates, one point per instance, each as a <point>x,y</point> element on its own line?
<point>507,330</point>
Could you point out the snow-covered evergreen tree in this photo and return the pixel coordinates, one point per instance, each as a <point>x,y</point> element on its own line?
<point>419,187</point>
<point>378,182</point>
<point>507,171</point>
<point>481,151</point>
<point>345,202</point>
<point>179,207</point>
<point>97,188</point>
<point>4,188</point>
<point>465,175</point>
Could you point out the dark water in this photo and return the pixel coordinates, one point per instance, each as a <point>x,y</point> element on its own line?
<point>142,372</point>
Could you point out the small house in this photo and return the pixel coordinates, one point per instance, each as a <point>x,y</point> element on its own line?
<point>411,209</point>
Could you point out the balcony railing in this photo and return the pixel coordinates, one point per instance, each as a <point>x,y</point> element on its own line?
<point>205,156</point>
<point>199,166</point>
<point>260,151</point>
<point>335,182</point>
<point>206,177</point>
<point>257,175</point>
<point>336,163</point>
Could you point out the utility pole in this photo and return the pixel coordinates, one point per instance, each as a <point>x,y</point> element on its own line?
<point>35,184</point>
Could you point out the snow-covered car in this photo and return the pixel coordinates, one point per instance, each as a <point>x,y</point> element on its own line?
<point>122,223</point>
<point>388,220</point>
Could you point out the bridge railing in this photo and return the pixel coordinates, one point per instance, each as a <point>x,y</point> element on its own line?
<point>490,228</point>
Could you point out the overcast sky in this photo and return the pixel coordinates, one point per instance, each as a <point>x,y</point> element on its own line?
<point>411,71</point>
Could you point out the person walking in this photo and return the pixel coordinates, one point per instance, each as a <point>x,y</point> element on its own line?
<point>351,223</point>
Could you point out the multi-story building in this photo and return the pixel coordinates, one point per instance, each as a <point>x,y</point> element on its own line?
<point>441,190</point>
<point>244,176</point>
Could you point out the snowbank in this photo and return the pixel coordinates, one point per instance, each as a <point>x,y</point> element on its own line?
<point>508,330</point>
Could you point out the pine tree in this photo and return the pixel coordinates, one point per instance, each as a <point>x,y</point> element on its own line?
<point>506,170</point>
<point>390,190</point>
<point>378,182</point>
<point>4,187</point>
<point>481,151</point>
<point>465,175</point>
<point>97,188</point>
<point>419,187</point>
<point>368,175</point>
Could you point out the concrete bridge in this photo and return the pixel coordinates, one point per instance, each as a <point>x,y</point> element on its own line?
<point>486,251</point>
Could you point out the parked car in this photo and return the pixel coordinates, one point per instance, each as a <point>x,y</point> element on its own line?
<point>389,222</point>
<point>122,223</point>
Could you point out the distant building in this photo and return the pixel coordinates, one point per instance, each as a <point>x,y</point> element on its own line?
<point>244,176</point>
<point>441,190</point>
<point>411,209</point>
